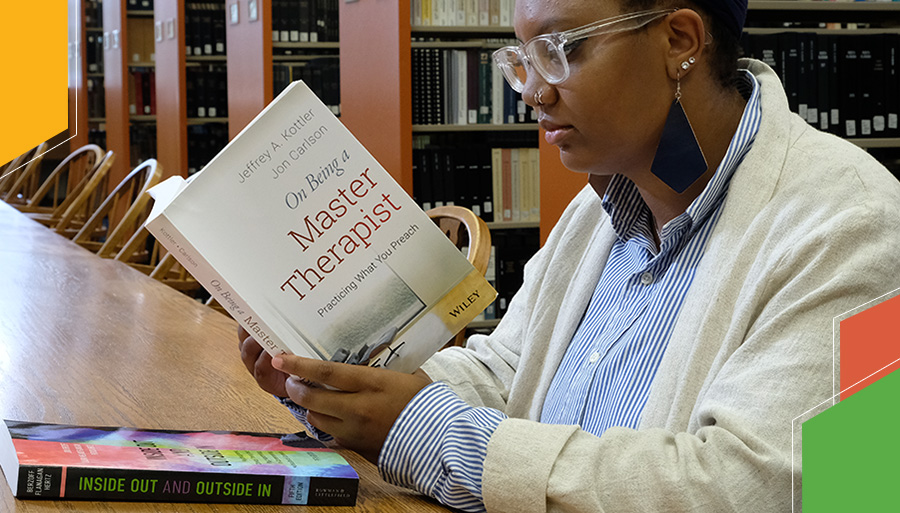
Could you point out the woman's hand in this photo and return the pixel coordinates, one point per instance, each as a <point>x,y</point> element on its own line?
<point>259,363</point>
<point>360,412</point>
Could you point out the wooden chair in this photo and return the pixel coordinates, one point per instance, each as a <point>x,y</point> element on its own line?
<point>86,199</point>
<point>158,265</point>
<point>465,229</point>
<point>61,187</point>
<point>23,183</point>
<point>8,173</point>
<point>102,233</point>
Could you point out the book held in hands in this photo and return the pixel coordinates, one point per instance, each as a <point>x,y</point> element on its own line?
<point>56,461</point>
<point>305,239</point>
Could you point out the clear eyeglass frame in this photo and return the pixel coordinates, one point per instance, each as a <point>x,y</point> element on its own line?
<point>546,53</point>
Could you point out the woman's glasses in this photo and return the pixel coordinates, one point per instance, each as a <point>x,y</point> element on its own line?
<point>547,53</point>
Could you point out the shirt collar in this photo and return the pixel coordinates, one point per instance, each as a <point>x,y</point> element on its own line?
<point>629,214</point>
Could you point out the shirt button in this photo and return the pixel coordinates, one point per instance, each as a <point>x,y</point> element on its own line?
<point>647,278</point>
<point>594,357</point>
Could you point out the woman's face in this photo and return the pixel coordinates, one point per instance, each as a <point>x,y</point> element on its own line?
<point>607,116</point>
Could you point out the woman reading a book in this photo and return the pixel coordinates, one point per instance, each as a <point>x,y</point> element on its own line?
<point>678,318</point>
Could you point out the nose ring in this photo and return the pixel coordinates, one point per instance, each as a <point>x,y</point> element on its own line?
<point>539,97</point>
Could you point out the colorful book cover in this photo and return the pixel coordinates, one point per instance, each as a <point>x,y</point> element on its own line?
<point>311,245</point>
<point>56,461</point>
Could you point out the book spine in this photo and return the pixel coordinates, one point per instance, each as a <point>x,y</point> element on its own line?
<point>462,90</point>
<point>484,87</point>
<point>823,79</point>
<point>123,484</point>
<point>506,185</point>
<point>191,259</point>
<point>497,183</point>
<point>496,95</point>
<point>472,84</point>
<point>892,47</point>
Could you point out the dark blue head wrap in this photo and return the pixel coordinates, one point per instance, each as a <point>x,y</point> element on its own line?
<point>731,13</point>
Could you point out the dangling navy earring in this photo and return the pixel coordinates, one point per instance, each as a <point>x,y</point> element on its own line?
<point>679,161</point>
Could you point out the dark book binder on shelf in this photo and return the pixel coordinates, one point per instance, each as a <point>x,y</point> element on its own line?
<point>834,88</point>
<point>514,248</point>
<point>823,79</point>
<point>307,23</point>
<point>892,84</point>
<point>472,84</point>
<point>484,86</point>
<point>789,60</point>
<point>848,78</point>
<point>874,89</point>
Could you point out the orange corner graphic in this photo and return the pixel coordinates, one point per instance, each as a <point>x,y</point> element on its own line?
<point>34,67</point>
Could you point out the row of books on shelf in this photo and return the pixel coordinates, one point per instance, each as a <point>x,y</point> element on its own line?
<point>510,250</point>
<point>497,184</point>
<point>97,135</point>
<point>204,26</point>
<point>207,91</point>
<point>322,75</point>
<point>844,84</point>
<point>96,98</point>
<point>204,142</point>
<point>93,13</point>
<point>463,87</point>
<point>143,142</point>
<point>304,21</point>
<point>462,13</point>
<point>142,92</point>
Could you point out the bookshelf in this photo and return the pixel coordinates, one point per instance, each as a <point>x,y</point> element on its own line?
<point>385,126</point>
<point>265,37</point>
<point>127,39</point>
<point>192,114</point>
<point>836,34</point>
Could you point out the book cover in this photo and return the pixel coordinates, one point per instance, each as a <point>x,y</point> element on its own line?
<point>313,248</point>
<point>57,461</point>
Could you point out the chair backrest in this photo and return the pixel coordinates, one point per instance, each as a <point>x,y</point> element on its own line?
<point>86,198</point>
<point>465,229</point>
<point>131,191</point>
<point>156,264</point>
<point>8,175</point>
<point>49,196</point>
<point>25,181</point>
<point>173,274</point>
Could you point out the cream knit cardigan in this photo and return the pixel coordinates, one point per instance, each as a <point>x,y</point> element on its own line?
<point>810,229</point>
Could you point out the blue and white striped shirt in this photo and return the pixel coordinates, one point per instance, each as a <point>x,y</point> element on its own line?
<point>439,443</point>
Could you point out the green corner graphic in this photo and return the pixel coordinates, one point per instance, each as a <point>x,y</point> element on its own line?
<point>851,452</point>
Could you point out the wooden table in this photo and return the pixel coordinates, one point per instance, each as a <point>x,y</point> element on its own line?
<point>90,341</point>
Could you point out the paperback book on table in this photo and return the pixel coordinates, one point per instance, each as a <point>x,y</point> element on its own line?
<point>312,246</point>
<point>55,461</point>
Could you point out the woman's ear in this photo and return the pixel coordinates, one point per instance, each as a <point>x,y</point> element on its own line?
<point>686,39</point>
